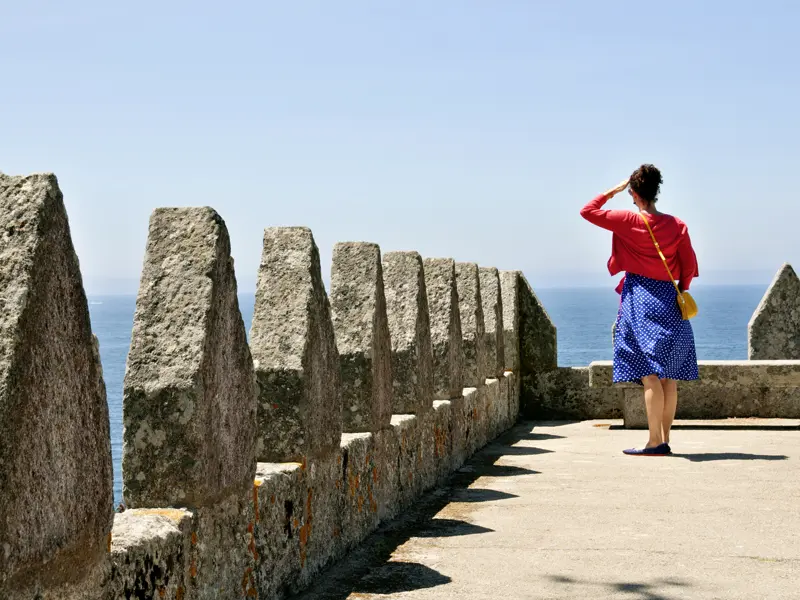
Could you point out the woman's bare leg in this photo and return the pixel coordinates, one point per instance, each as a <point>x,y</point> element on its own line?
<point>670,387</point>
<point>654,401</point>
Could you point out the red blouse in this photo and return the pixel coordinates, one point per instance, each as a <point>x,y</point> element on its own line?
<point>632,249</point>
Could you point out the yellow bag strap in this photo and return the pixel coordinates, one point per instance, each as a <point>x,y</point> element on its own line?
<point>660,253</point>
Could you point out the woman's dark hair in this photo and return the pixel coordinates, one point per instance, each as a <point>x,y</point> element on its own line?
<point>646,181</point>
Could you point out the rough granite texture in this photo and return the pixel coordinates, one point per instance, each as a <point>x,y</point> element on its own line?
<point>774,329</point>
<point>538,349</point>
<point>492,301</point>
<point>445,324</point>
<point>55,452</point>
<point>360,472</point>
<point>362,336</point>
<point>410,333</point>
<point>189,398</point>
<point>568,393</point>
<point>509,286</point>
<point>473,341</point>
<point>293,346</point>
<point>150,553</point>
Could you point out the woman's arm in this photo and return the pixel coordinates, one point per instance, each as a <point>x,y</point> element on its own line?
<point>688,262</point>
<point>613,220</point>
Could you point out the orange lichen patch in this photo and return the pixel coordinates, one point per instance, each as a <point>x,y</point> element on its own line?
<point>193,569</point>
<point>272,499</point>
<point>162,591</point>
<point>295,523</point>
<point>255,502</point>
<point>338,484</point>
<point>339,459</point>
<point>366,460</point>
<point>108,542</point>
<point>173,514</point>
<point>248,584</point>
<point>194,538</point>
<point>360,502</point>
<point>375,474</point>
<point>353,481</point>
<point>179,593</point>
<point>372,504</point>
<point>303,464</point>
<point>250,528</point>
<point>251,547</point>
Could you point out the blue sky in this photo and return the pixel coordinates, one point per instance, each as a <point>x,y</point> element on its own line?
<point>469,128</point>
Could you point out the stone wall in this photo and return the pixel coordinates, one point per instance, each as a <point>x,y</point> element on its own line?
<point>247,469</point>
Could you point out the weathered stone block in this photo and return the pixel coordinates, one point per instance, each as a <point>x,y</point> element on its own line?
<point>410,332</point>
<point>509,287</point>
<point>538,348</point>
<point>634,411</point>
<point>359,480</point>
<point>189,399</point>
<point>293,345</point>
<point>56,494</point>
<point>579,393</point>
<point>443,438</point>
<point>362,336</point>
<point>223,548</point>
<point>492,303</point>
<point>774,329</point>
<point>407,428</point>
<point>151,554</point>
<point>494,409</point>
<point>386,490</point>
<point>472,324</point>
<point>512,395</point>
<point>282,496</point>
<point>321,517</point>
<point>445,324</point>
<point>460,419</point>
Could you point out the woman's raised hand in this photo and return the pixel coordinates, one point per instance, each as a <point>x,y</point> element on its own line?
<point>616,190</point>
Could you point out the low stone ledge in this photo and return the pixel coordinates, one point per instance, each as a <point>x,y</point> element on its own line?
<point>579,393</point>
<point>150,551</point>
<point>726,388</point>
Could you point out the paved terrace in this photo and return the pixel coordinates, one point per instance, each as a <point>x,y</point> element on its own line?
<point>555,510</point>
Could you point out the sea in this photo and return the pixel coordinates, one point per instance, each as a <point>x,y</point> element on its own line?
<point>583,318</point>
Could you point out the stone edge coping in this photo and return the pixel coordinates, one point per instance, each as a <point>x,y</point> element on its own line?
<point>600,372</point>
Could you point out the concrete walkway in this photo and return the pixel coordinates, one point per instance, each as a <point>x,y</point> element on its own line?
<point>556,511</point>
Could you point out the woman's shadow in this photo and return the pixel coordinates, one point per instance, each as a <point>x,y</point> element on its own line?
<point>709,456</point>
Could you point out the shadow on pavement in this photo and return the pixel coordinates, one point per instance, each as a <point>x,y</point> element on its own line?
<point>368,568</point>
<point>709,456</point>
<point>657,590</point>
<point>396,577</point>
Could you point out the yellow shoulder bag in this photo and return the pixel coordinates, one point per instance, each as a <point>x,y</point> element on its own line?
<point>685,301</point>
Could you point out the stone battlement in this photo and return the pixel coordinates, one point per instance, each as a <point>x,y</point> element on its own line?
<point>247,466</point>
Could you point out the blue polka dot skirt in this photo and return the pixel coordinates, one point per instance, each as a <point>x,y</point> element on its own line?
<point>651,336</point>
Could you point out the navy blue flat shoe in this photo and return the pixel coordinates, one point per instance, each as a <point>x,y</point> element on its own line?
<point>660,450</point>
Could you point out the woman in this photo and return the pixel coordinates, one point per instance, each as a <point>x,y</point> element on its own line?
<point>653,345</point>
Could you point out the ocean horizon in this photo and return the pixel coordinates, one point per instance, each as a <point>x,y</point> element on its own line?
<point>583,317</point>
